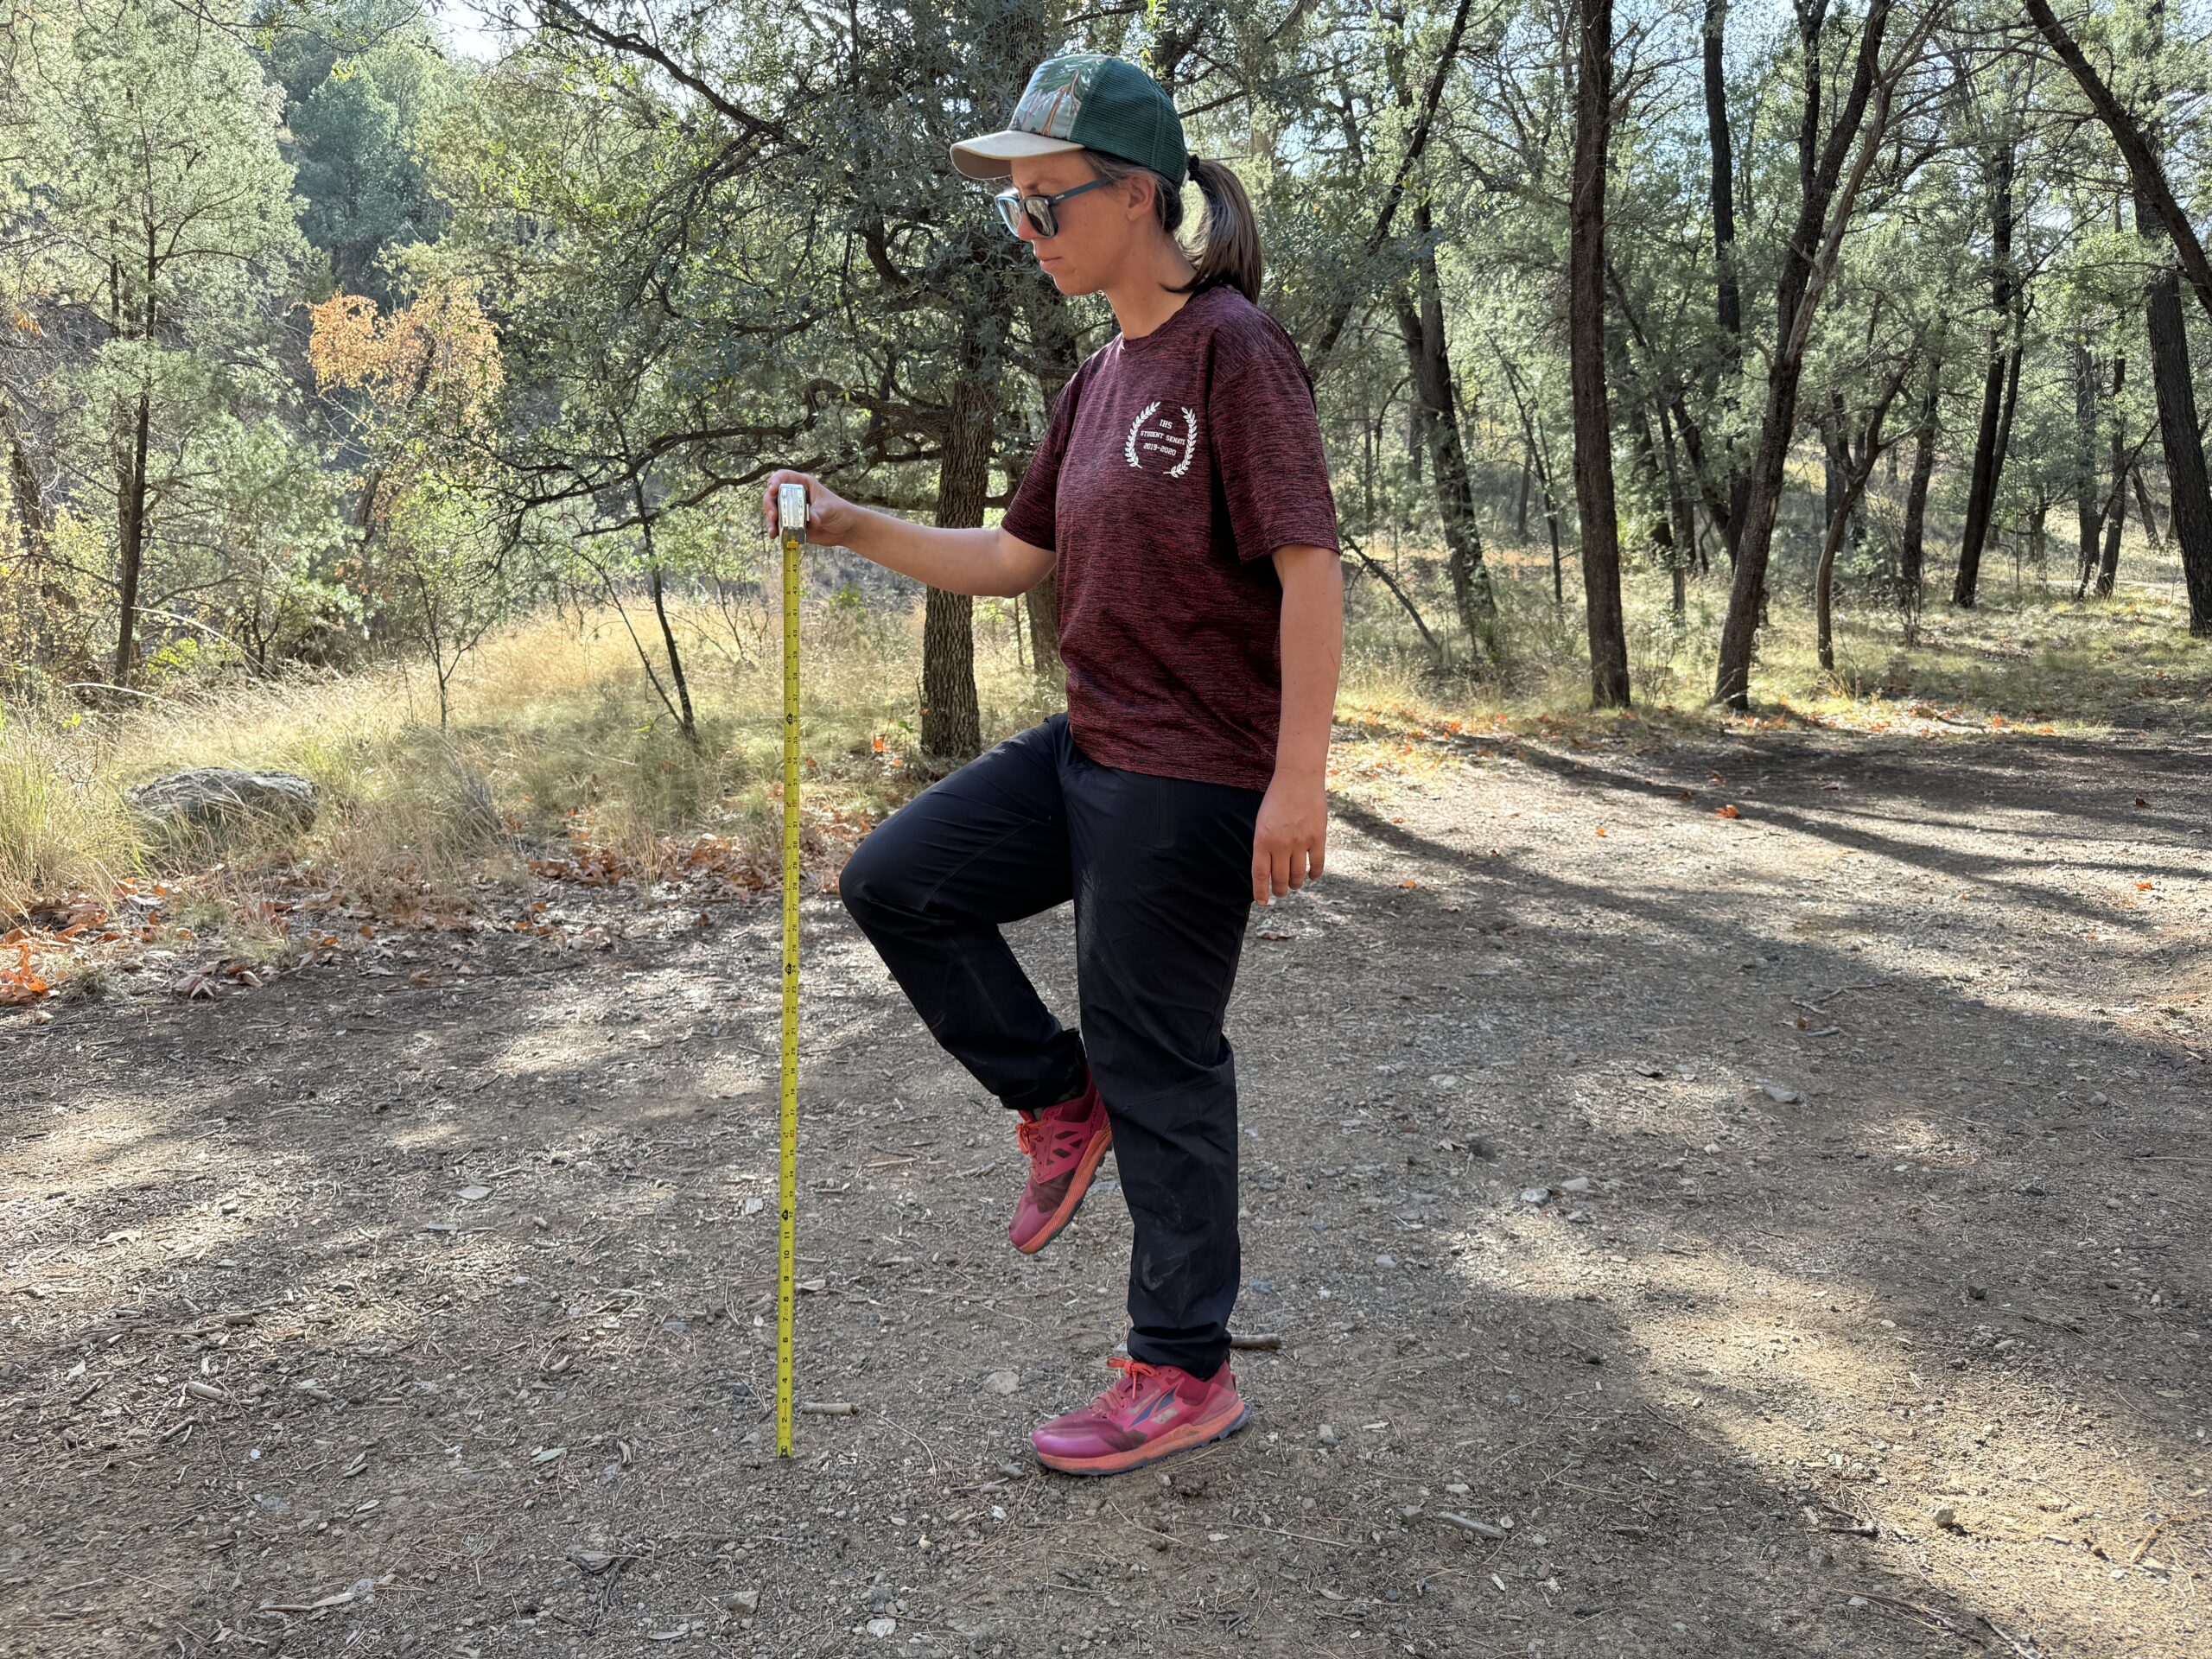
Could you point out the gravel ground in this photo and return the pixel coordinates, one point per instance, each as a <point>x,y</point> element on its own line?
<point>1686,1234</point>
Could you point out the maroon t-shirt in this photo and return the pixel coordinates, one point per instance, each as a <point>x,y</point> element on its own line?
<point>1174,465</point>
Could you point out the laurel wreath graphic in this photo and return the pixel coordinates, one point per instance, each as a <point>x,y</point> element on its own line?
<point>1189,445</point>
<point>1129,443</point>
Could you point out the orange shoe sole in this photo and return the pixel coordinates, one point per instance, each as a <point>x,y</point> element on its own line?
<point>1085,1168</point>
<point>1182,1437</point>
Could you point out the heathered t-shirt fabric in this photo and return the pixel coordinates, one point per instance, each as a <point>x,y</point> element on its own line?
<point>1172,466</point>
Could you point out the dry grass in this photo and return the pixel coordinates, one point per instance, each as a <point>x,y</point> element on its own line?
<point>2027,655</point>
<point>555,736</point>
<point>555,739</point>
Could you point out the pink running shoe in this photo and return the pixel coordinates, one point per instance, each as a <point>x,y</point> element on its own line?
<point>1151,1412</point>
<point>1064,1143</point>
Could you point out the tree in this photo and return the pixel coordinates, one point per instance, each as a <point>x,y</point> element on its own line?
<point>1827,194</point>
<point>1585,283</point>
<point>161,212</point>
<point>354,142</point>
<point>430,545</point>
<point>2157,214</point>
<point>2001,379</point>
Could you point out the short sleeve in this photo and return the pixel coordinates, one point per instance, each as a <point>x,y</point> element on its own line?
<point>1266,437</point>
<point>1030,515</point>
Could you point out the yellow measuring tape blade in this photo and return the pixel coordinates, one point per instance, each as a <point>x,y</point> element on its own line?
<point>791,507</point>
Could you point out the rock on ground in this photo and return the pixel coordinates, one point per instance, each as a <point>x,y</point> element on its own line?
<point>214,797</point>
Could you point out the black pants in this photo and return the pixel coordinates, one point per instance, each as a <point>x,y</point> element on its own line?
<point>1159,869</point>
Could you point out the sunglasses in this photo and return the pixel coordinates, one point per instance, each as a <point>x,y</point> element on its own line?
<point>1012,203</point>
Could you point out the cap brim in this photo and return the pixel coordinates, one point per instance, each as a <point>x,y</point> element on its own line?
<point>993,156</point>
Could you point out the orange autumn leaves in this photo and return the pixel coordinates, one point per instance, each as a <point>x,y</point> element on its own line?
<point>19,981</point>
<point>438,358</point>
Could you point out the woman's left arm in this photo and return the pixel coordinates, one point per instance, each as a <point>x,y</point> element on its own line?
<point>1290,837</point>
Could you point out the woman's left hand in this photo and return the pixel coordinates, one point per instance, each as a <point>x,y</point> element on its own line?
<point>1290,836</point>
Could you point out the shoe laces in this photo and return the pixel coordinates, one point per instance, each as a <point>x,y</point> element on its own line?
<point>1045,1140</point>
<point>1135,1377</point>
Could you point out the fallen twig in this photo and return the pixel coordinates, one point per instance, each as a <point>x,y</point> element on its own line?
<point>1467,1523</point>
<point>911,1435</point>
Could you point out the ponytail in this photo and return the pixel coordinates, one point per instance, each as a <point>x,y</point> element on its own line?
<point>1228,251</point>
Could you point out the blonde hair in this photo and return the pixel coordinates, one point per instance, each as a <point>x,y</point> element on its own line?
<point>1228,247</point>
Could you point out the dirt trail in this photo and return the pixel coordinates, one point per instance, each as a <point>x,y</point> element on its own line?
<point>349,1315</point>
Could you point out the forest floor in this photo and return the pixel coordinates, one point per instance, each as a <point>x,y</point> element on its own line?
<point>1757,1179</point>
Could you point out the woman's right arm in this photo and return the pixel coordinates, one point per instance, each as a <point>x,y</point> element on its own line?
<point>976,561</point>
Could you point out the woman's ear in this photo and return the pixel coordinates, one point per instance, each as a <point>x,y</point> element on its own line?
<point>1140,196</point>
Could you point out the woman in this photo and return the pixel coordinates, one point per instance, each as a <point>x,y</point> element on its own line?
<point>1181,493</point>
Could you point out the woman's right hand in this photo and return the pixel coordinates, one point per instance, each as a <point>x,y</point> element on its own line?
<point>829,519</point>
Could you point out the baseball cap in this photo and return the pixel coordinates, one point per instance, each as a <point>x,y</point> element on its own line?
<point>1084,100</point>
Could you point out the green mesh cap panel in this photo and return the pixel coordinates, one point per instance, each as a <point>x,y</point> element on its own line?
<point>1108,104</point>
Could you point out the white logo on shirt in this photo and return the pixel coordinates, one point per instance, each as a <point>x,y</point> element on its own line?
<point>1152,443</point>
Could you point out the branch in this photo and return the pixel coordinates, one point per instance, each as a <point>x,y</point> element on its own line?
<point>2143,167</point>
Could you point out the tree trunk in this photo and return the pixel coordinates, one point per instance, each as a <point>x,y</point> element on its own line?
<point>2116,522</point>
<point>2190,508</point>
<point>1586,339</point>
<point>1911,552</point>
<point>1989,447</point>
<point>686,719</point>
<point>951,721</point>
<point>1681,510</point>
<point>1728,304</point>
<point>29,500</point>
<point>1811,251</point>
<point>1428,353</point>
<point>130,537</point>
<point>1835,462</point>
<point>2089,508</point>
<point>2145,506</point>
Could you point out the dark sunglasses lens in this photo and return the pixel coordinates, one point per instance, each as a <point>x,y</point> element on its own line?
<point>1040,215</point>
<point>1006,211</point>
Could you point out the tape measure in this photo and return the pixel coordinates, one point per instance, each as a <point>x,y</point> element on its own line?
<point>790,508</point>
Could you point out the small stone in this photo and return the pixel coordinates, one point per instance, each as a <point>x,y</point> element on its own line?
<point>473,1193</point>
<point>1535,1195</point>
<point>882,1627</point>
<point>1979,1293</point>
<point>744,1601</point>
<point>1580,1218</point>
<point>1781,1093</point>
<point>1328,1435</point>
<point>2100,1099</point>
<point>1384,1261</point>
<point>1944,1515</point>
<point>1002,1382</point>
<point>1582,1185</point>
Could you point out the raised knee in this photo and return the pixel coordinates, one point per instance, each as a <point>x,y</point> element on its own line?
<point>869,884</point>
